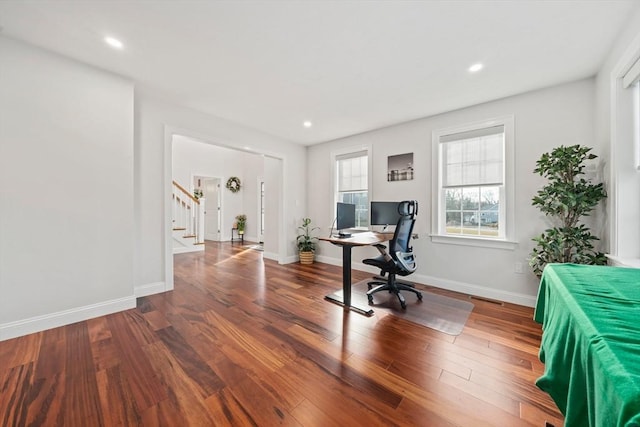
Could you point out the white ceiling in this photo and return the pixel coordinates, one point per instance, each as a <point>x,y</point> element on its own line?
<point>348,66</point>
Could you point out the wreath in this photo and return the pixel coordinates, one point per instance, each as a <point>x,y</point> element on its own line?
<point>233,184</point>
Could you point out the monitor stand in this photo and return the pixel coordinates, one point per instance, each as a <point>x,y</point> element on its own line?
<point>343,235</point>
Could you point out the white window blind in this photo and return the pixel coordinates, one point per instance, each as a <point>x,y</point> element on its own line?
<point>352,172</point>
<point>473,158</point>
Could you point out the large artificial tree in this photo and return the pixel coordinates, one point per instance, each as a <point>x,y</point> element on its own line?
<point>566,198</point>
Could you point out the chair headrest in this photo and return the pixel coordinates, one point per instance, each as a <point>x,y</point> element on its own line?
<point>408,208</point>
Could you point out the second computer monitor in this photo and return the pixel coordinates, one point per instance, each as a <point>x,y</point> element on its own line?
<point>345,216</point>
<point>384,213</point>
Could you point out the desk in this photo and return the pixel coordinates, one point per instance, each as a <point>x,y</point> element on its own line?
<point>591,343</point>
<point>347,243</point>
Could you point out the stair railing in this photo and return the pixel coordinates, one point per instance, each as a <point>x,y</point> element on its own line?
<point>187,213</point>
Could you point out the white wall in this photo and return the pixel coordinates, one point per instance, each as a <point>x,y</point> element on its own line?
<point>95,233</point>
<point>156,122</point>
<point>614,130</point>
<point>66,175</point>
<point>196,158</point>
<point>274,217</point>
<point>252,168</point>
<point>543,120</point>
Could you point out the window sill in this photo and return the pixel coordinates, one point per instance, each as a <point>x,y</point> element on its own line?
<point>474,241</point>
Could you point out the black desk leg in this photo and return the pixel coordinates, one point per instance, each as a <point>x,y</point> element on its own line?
<point>346,275</point>
<point>345,299</point>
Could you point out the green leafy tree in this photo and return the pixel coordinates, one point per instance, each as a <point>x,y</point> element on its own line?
<point>565,199</point>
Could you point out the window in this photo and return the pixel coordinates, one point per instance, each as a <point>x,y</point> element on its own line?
<point>471,182</point>
<point>636,121</point>
<point>631,80</point>
<point>352,183</point>
<point>624,156</point>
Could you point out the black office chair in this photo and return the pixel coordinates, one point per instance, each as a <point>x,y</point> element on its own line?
<point>399,260</point>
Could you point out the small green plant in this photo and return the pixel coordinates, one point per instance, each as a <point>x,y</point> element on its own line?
<point>241,222</point>
<point>565,199</point>
<point>305,241</point>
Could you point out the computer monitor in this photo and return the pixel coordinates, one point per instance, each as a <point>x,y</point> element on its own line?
<point>384,213</point>
<point>345,217</point>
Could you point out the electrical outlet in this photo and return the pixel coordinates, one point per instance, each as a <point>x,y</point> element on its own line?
<point>518,268</point>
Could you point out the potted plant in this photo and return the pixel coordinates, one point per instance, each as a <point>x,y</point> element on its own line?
<point>565,199</point>
<point>241,222</point>
<point>306,242</point>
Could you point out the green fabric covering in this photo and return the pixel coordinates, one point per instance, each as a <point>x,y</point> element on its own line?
<point>590,346</point>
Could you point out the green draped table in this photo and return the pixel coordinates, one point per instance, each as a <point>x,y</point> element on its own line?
<point>590,345</point>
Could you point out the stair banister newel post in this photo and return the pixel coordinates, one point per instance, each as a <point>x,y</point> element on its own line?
<point>182,214</point>
<point>200,221</point>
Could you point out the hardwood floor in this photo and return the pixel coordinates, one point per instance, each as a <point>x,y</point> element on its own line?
<point>242,341</point>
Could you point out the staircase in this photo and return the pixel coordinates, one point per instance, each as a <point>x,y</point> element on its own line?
<point>188,221</point>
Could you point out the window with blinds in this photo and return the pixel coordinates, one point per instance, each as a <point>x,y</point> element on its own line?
<point>631,81</point>
<point>472,181</point>
<point>352,183</point>
<point>473,158</point>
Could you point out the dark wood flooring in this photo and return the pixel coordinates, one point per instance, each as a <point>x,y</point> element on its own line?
<point>242,341</point>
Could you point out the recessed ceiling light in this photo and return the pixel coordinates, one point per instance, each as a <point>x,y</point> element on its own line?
<point>114,43</point>
<point>475,68</point>
<point>307,124</point>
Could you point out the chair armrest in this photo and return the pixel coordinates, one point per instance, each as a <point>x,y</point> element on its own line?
<point>383,251</point>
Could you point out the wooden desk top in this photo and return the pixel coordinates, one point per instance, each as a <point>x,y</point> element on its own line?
<point>359,239</point>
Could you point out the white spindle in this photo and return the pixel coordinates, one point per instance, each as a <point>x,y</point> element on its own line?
<point>188,219</point>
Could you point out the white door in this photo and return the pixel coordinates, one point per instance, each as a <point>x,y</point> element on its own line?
<point>212,209</point>
<point>261,205</point>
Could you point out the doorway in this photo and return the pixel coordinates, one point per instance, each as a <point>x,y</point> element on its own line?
<point>181,164</point>
<point>210,187</point>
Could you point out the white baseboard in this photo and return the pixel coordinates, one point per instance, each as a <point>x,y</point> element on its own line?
<point>270,255</point>
<point>338,262</point>
<point>452,285</point>
<point>149,289</point>
<point>476,290</point>
<point>186,249</point>
<point>65,317</point>
<point>290,259</point>
<point>617,261</point>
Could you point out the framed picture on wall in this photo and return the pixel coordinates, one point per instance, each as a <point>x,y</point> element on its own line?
<point>400,167</point>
